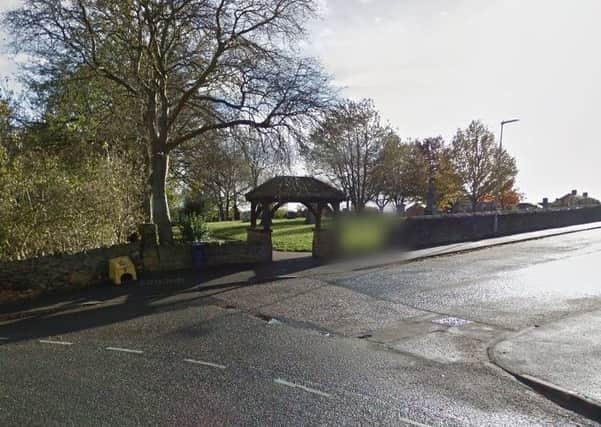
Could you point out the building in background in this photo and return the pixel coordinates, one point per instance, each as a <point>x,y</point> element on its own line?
<point>574,200</point>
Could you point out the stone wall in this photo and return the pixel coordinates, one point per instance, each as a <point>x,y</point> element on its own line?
<point>428,231</point>
<point>211,255</point>
<point>59,272</point>
<point>62,272</point>
<point>230,253</point>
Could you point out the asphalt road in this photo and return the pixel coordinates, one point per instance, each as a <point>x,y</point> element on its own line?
<point>509,286</point>
<point>210,356</point>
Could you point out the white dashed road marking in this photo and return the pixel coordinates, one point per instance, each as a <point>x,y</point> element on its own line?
<point>124,350</point>
<point>302,387</point>
<point>3,338</point>
<point>413,423</point>
<point>200,362</point>
<point>56,342</point>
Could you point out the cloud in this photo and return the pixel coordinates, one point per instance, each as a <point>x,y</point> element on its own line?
<point>433,66</point>
<point>9,4</point>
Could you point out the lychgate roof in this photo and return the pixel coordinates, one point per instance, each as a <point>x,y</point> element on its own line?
<point>295,189</point>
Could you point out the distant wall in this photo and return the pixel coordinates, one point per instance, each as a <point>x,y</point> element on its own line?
<point>428,231</point>
<point>63,272</point>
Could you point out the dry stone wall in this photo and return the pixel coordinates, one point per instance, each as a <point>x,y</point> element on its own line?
<point>64,272</point>
<point>59,272</point>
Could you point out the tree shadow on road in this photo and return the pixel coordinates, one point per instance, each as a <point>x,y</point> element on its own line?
<point>104,305</point>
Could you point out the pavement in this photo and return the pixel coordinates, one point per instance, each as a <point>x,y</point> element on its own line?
<point>561,358</point>
<point>405,342</point>
<point>393,257</point>
<point>285,265</point>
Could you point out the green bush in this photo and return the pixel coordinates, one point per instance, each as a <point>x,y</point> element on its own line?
<point>50,205</point>
<point>280,214</point>
<point>195,228</point>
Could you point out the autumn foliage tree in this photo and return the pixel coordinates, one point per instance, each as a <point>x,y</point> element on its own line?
<point>481,166</point>
<point>449,189</point>
<point>397,173</point>
<point>436,180</point>
<point>508,198</point>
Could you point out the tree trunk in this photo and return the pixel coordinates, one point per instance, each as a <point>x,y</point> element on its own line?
<point>148,185</point>
<point>159,208</point>
<point>236,210</point>
<point>431,198</point>
<point>358,206</point>
<point>227,207</point>
<point>400,207</point>
<point>474,204</point>
<point>159,166</point>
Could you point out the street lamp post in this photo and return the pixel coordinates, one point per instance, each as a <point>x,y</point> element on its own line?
<point>497,195</point>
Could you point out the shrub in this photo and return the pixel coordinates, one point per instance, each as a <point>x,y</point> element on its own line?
<point>49,205</point>
<point>280,214</point>
<point>195,228</point>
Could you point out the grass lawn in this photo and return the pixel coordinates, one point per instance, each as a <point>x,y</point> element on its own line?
<point>293,235</point>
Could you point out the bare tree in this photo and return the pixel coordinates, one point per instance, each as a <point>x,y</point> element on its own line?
<point>345,147</point>
<point>191,66</point>
<point>267,154</point>
<point>216,167</point>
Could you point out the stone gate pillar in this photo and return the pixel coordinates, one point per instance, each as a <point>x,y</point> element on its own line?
<point>326,243</point>
<point>260,244</point>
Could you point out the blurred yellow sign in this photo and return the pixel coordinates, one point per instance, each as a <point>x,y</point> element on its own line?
<point>121,268</point>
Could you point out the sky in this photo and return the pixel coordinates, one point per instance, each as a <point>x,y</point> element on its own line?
<point>432,66</point>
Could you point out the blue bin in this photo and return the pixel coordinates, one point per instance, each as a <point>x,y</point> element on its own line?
<point>199,257</point>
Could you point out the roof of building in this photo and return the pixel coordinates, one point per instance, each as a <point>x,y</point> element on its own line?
<point>575,199</point>
<point>295,189</point>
